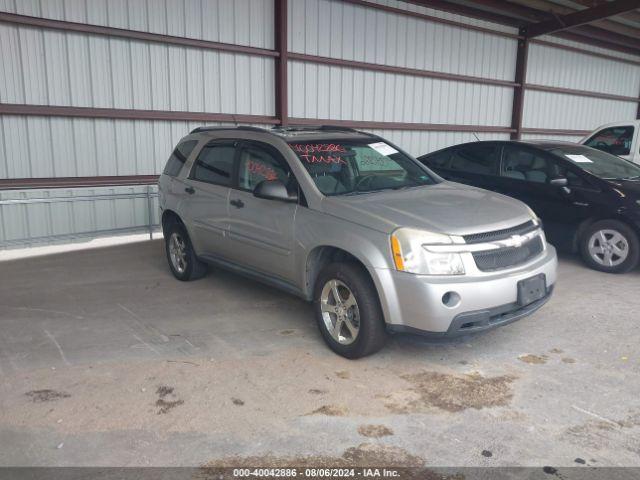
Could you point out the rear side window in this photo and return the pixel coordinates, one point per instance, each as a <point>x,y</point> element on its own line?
<point>215,164</point>
<point>437,160</point>
<point>614,140</point>
<point>523,164</point>
<point>179,157</point>
<point>478,159</point>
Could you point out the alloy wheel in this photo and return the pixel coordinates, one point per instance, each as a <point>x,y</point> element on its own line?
<point>340,312</point>
<point>608,248</point>
<point>178,252</point>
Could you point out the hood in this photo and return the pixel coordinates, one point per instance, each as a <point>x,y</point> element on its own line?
<point>446,207</point>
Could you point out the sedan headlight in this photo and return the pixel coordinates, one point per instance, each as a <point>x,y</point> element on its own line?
<point>411,253</point>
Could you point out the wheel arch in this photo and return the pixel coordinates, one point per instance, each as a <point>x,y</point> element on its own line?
<point>321,256</point>
<point>168,217</point>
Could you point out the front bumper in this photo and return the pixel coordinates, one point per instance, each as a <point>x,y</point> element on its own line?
<point>414,303</point>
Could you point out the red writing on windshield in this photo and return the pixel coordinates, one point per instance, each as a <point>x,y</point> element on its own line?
<point>315,152</point>
<point>318,147</point>
<point>322,159</point>
<point>261,169</point>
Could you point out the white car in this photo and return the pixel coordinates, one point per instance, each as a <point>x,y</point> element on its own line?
<point>620,138</point>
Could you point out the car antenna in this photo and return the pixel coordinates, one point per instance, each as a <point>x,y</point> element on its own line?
<point>475,135</point>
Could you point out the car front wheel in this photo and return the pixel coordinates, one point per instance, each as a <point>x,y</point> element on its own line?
<point>610,246</point>
<point>348,311</point>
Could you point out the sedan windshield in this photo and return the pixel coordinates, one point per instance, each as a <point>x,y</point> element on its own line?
<point>349,167</point>
<point>600,164</point>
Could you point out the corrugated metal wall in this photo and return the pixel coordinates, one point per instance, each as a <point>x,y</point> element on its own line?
<point>553,67</point>
<point>240,22</point>
<point>331,28</point>
<point>48,67</point>
<point>77,70</point>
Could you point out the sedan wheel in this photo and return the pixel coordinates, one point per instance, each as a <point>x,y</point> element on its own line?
<point>609,248</point>
<point>340,312</point>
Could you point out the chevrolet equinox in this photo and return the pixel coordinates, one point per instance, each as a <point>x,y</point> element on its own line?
<point>349,221</point>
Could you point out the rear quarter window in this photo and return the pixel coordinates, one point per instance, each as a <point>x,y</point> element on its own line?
<point>179,157</point>
<point>437,160</point>
<point>476,159</point>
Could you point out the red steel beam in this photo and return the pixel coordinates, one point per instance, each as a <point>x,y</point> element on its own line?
<point>281,80</point>
<point>581,93</point>
<point>124,114</point>
<point>399,70</point>
<point>517,106</point>
<point>581,17</point>
<point>427,127</point>
<point>114,113</point>
<point>77,182</point>
<point>555,131</point>
<point>131,34</point>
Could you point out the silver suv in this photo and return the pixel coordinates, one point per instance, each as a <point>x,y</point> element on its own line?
<point>349,221</point>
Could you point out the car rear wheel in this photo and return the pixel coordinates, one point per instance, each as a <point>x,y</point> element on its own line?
<point>348,311</point>
<point>610,246</point>
<point>183,262</point>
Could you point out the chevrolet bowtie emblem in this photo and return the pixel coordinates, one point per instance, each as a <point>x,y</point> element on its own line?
<point>517,240</point>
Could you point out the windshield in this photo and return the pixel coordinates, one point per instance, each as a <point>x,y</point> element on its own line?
<point>600,164</point>
<point>353,167</point>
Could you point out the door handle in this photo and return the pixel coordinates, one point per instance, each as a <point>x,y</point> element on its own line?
<point>190,190</point>
<point>237,203</point>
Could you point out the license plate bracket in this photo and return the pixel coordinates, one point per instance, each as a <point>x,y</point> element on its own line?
<point>532,289</point>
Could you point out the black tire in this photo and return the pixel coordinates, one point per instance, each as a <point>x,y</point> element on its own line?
<point>630,237</point>
<point>372,333</point>
<point>194,268</point>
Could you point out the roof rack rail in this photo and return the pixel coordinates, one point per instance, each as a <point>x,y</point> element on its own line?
<point>340,128</point>
<point>337,128</point>
<point>238,127</point>
<point>326,128</point>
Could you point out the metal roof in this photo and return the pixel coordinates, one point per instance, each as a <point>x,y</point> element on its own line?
<point>613,24</point>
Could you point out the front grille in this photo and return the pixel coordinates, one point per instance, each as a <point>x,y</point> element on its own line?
<point>501,258</point>
<point>501,234</point>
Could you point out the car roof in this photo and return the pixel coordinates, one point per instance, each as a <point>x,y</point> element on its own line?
<point>550,144</point>
<point>540,144</point>
<point>298,134</point>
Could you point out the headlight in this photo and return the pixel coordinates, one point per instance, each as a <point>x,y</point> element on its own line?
<point>534,217</point>
<point>410,248</point>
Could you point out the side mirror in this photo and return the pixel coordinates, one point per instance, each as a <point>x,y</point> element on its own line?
<point>274,190</point>
<point>559,182</point>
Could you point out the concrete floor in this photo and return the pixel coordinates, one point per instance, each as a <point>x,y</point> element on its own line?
<point>105,359</point>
